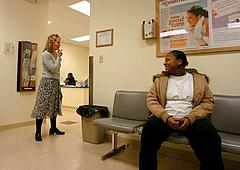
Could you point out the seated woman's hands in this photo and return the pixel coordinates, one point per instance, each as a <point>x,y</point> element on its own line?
<point>178,123</point>
<point>184,123</point>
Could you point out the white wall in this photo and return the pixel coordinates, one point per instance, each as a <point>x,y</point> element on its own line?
<point>19,20</point>
<point>75,60</point>
<point>131,62</point>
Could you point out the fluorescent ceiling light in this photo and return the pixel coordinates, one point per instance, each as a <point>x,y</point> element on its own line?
<point>82,38</point>
<point>174,32</point>
<point>233,25</point>
<point>82,6</point>
<point>49,22</point>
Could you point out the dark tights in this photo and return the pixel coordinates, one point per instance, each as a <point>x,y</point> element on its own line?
<point>39,124</point>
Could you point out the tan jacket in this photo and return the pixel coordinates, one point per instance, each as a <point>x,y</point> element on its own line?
<point>202,98</point>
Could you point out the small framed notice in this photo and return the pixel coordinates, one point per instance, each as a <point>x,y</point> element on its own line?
<point>149,29</point>
<point>104,38</point>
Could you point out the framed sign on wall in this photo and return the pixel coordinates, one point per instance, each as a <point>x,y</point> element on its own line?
<point>197,26</point>
<point>26,72</point>
<point>149,29</point>
<point>104,38</point>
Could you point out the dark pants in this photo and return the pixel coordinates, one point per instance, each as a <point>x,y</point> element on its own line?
<point>202,136</point>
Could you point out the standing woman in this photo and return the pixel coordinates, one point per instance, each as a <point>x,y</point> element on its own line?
<point>49,96</point>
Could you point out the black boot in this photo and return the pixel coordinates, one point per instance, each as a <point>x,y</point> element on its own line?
<point>54,128</point>
<point>38,136</point>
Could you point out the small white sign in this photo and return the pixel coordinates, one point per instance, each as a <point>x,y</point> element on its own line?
<point>8,47</point>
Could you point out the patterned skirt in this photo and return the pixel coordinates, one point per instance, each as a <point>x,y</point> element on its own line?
<point>49,99</point>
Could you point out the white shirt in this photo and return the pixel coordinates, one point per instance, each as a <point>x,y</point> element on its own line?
<point>179,95</point>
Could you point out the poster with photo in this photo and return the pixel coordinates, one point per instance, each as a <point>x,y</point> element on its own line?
<point>180,28</point>
<point>197,26</point>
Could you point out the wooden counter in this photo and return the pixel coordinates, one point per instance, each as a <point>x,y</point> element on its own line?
<point>73,96</point>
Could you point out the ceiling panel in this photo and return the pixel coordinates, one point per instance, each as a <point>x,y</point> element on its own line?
<point>67,22</point>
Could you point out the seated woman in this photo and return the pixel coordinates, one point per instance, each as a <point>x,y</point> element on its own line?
<point>180,101</point>
<point>70,80</point>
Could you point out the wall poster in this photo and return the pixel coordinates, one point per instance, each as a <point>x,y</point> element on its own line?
<point>26,76</point>
<point>197,26</point>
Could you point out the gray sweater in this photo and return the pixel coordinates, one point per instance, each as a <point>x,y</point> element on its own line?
<point>51,65</point>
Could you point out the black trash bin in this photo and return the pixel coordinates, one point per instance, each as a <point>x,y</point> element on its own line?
<point>88,113</point>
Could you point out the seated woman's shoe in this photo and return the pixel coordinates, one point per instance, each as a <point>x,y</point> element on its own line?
<point>38,137</point>
<point>56,131</point>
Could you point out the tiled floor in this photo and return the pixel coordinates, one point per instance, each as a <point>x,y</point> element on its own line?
<point>19,151</point>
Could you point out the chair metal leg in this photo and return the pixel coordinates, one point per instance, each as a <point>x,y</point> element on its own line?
<point>115,149</point>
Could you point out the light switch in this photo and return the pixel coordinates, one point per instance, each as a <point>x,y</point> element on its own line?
<point>8,47</point>
<point>100,59</point>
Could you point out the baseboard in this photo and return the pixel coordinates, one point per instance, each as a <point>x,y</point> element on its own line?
<point>179,151</point>
<point>16,125</point>
<point>69,107</point>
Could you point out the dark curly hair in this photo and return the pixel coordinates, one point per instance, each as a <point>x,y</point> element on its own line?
<point>180,55</point>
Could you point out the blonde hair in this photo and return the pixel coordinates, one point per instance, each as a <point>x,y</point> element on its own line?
<point>49,44</point>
